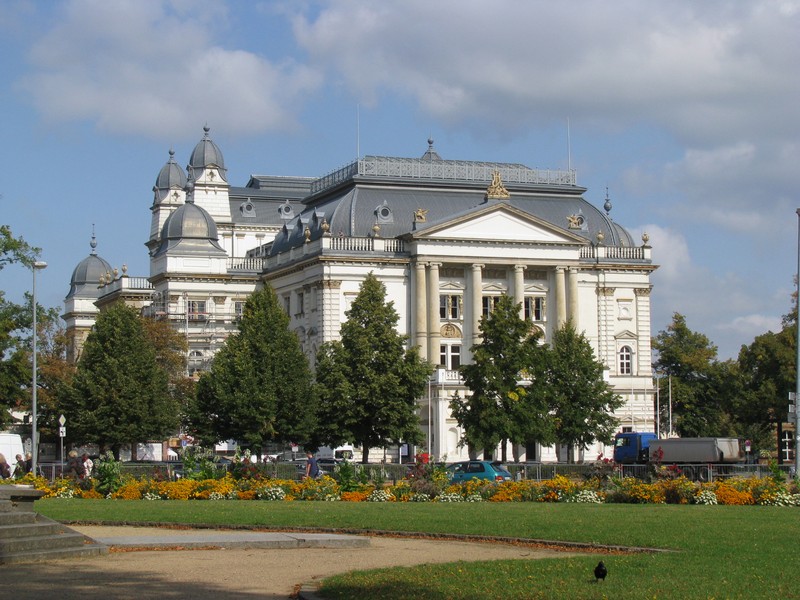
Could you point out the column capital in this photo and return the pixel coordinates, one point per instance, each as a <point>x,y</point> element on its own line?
<point>642,291</point>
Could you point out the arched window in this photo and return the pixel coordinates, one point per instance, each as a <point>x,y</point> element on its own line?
<point>625,360</point>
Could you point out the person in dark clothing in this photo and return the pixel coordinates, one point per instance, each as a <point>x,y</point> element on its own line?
<point>20,471</point>
<point>312,468</point>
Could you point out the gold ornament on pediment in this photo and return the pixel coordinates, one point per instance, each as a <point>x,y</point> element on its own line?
<point>496,189</point>
<point>449,330</point>
<point>575,221</point>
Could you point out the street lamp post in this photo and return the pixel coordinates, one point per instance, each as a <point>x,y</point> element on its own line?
<point>38,265</point>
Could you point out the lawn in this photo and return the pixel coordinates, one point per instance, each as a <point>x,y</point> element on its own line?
<point>718,551</point>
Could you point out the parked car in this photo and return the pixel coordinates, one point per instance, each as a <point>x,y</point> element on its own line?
<point>478,469</point>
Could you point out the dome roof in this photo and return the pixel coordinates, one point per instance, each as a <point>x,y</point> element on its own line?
<point>171,175</point>
<point>191,228</point>
<point>85,279</point>
<point>206,154</point>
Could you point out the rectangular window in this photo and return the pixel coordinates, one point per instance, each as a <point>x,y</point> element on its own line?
<point>287,304</point>
<point>238,310</point>
<point>450,356</point>
<point>301,308</point>
<point>450,306</point>
<point>489,303</point>
<point>197,310</point>
<point>534,308</point>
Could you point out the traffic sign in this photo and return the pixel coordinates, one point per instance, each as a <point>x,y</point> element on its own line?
<point>62,432</point>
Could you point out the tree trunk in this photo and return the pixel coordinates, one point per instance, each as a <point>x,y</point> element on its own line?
<point>364,454</point>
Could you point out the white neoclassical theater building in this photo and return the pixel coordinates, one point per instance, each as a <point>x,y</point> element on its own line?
<point>446,237</point>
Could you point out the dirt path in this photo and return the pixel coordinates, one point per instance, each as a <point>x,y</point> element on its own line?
<point>236,573</point>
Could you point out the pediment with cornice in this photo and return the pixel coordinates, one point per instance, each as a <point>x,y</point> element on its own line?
<point>500,223</point>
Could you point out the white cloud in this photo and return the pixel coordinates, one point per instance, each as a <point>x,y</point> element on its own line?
<point>154,68</point>
<point>703,71</point>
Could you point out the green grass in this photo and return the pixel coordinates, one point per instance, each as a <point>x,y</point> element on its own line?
<point>721,551</point>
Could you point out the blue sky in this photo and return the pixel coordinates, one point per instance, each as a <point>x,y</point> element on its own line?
<point>688,112</point>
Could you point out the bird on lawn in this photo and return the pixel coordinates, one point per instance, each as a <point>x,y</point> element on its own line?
<point>600,572</point>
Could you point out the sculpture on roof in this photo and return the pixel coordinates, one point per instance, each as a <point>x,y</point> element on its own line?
<point>496,189</point>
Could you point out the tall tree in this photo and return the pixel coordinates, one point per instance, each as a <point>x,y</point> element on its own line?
<point>259,388</point>
<point>582,402</point>
<point>15,321</point>
<point>689,358</point>
<point>368,382</point>
<point>768,368</point>
<point>120,392</point>
<point>501,407</point>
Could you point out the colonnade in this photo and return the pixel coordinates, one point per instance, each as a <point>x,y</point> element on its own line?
<point>427,321</point>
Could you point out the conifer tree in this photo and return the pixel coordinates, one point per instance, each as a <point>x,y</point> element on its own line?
<point>258,390</point>
<point>368,382</point>
<point>120,393</point>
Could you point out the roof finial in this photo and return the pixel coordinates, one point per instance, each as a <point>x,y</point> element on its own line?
<point>607,203</point>
<point>206,129</point>
<point>93,243</point>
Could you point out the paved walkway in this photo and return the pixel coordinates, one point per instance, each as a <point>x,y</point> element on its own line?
<point>204,564</point>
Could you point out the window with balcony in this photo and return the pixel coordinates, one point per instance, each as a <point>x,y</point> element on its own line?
<point>450,356</point>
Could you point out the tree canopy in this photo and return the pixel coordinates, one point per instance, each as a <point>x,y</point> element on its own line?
<point>501,406</point>
<point>15,329</point>
<point>582,402</point>
<point>368,382</point>
<point>689,359</point>
<point>120,392</point>
<point>258,390</point>
<point>525,391</point>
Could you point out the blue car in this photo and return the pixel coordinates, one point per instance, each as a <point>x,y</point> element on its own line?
<point>478,469</point>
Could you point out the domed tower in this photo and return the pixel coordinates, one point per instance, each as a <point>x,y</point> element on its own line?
<point>189,244</point>
<point>169,192</point>
<point>208,179</point>
<point>80,311</point>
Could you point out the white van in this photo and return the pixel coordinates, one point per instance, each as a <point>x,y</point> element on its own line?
<point>10,446</point>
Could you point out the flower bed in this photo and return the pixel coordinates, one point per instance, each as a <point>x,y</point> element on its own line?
<point>737,491</point>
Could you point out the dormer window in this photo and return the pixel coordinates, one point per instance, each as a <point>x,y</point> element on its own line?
<point>286,211</point>
<point>248,209</point>
<point>383,214</point>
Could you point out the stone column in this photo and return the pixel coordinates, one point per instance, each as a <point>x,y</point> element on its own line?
<point>421,298</point>
<point>519,288</point>
<point>573,296</point>
<point>433,313</point>
<point>561,298</point>
<point>476,283</point>
<point>331,303</point>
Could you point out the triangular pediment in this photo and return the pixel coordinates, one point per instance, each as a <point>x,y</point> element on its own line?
<point>499,222</point>
<point>625,335</point>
